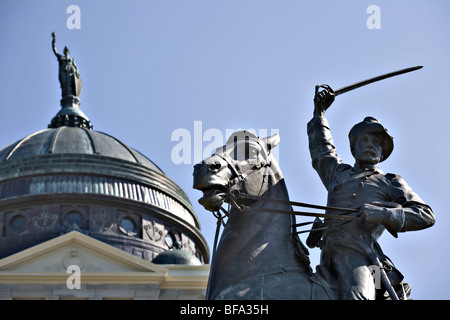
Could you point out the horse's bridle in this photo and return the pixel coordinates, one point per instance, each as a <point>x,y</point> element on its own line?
<point>233,194</point>
<point>233,187</point>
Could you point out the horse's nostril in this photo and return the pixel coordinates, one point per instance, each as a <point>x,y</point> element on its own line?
<point>214,166</point>
<point>198,166</point>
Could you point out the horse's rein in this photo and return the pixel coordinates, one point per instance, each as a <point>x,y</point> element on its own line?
<point>233,194</point>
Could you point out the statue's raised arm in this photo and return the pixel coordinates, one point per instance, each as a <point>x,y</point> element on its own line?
<point>53,45</point>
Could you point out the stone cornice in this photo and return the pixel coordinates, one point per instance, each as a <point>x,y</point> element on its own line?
<point>96,166</point>
<point>146,273</point>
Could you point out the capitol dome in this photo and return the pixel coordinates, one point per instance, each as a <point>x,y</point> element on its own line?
<point>70,177</point>
<point>73,140</point>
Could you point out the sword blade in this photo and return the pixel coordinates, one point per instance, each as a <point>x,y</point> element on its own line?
<point>375,79</point>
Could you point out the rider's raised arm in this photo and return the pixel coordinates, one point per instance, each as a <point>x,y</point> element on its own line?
<point>324,158</point>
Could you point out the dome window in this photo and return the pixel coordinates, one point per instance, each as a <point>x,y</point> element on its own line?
<point>74,217</point>
<point>18,223</point>
<point>128,226</point>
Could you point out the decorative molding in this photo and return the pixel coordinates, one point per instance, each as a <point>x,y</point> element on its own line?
<point>89,165</point>
<point>91,184</point>
<point>103,250</point>
<point>76,246</point>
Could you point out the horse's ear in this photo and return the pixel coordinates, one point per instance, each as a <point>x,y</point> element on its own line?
<point>272,141</point>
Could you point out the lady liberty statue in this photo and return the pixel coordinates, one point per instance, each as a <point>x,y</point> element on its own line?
<point>69,77</point>
<point>70,80</point>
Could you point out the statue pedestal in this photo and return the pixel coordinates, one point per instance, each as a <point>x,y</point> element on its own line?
<point>70,101</point>
<point>70,114</point>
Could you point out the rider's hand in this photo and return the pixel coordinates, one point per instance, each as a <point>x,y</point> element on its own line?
<point>323,99</point>
<point>391,216</point>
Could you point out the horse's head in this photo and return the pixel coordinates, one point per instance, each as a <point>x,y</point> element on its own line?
<point>243,165</point>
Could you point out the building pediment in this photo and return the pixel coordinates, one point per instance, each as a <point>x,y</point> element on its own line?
<point>105,272</point>
<point>94,259</point>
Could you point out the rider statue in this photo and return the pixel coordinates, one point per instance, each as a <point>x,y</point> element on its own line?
<point>384,201</point>
<point>69,77</point>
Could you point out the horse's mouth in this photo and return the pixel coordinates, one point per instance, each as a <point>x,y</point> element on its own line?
<point>213,197</point>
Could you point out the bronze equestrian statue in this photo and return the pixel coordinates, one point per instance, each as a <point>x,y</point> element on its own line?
<point>260,256</point>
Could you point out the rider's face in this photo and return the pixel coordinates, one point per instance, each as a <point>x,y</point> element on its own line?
<point>368,148</point>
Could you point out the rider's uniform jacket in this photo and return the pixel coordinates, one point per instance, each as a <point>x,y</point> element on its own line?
<point>351,188</point>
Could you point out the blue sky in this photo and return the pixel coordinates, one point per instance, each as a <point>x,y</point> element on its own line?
<point>152,67</point>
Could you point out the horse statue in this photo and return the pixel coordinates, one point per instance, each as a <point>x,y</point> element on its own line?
<point>259,255</point>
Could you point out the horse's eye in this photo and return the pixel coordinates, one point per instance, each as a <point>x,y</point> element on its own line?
<point>251,152</point>
<point>214,166</point>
